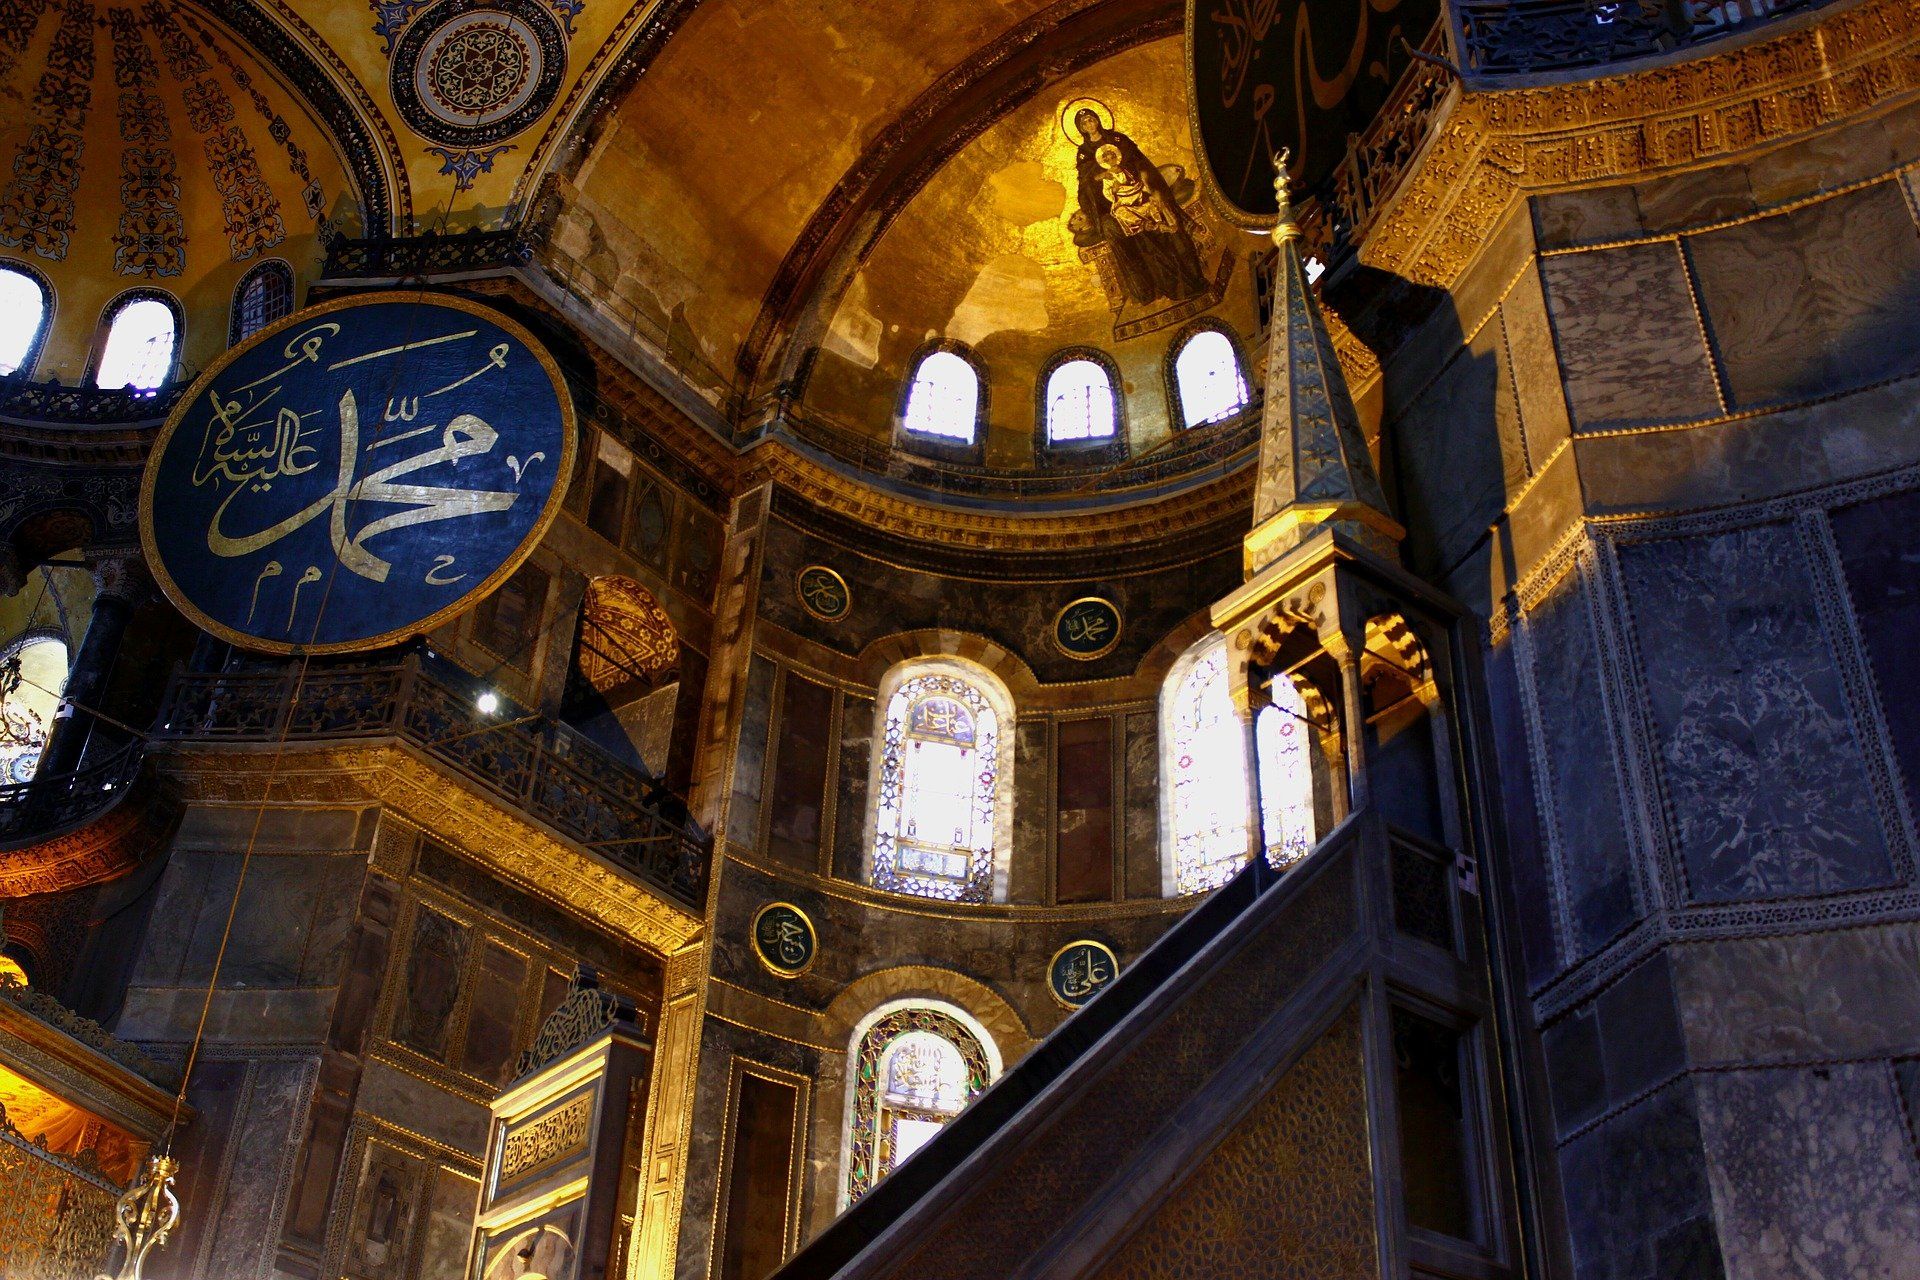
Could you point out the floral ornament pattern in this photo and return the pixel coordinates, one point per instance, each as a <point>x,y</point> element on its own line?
<point>869,1157</point>
<point>277,127</point>
<point>152,238</point>
<point>36,210</point>
<point>252,211</point>
<point>465,166</point>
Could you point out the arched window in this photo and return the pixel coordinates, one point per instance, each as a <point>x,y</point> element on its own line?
<point>143,334</point>
<point>1206,804</point>
<point>1206,374</point>
<point>1080,403</point>
<point>941,817</point>
<point>1282,735</point>
<point>25,306</point>
<point>944,400</point>
<point>915,1067</point>
<point>33,672</point>
<point>264,295</point>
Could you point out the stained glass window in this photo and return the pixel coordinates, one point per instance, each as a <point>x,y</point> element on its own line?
<point>938,794</point>
<point>23,318</point>
<point>141,337</point>
<point>1079,403</point>
<point>1207,375</point>
<point>944,399</point>
<point>33,672</point>
<point>1282,735</point>
<point>1207,779</point>
<point>264,295</point>
<point>915,1069</point>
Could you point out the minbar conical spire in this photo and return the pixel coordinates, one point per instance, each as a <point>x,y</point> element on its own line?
<point>1315,472</point>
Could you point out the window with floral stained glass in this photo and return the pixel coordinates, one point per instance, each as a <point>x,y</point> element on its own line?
<point>937,813</point>
<point>1207,803</point>
<point>915,1068</point>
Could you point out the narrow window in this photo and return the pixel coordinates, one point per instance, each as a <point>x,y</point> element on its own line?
<point>1281,737</point>
<point>141,337</point>
<point>944,400</point>
<point>24,303</point>
<point>264,295</point>
<point>1436,1161</point>
<point>1079,403</point>
<point>1207,375</point>
<point>1208,771</point>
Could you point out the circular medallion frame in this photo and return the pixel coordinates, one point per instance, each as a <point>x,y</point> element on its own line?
<point>759,951</point>
<point>817,572</point>
<point>453,39</point>
<point>1087,653</point>
<point>1053,963</point>
<point>194,396</point>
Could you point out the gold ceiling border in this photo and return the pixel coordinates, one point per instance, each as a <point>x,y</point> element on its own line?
<point>1501,145</point>
<point>437,802</point>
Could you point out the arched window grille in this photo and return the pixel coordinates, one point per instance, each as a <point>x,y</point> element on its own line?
<point>914,1068</point>
<point>1080,403</point>
<point>143,335</point>
<point>1282,738</point>
<point>264,295</point>
<point>33,672</point>
<point>944,400</point>
<point>1208,807</point>
<point>1206,374</point>
<point>940,809</point>
<point>26,304</point>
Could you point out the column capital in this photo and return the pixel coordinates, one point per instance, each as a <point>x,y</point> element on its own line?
<point>123,576</point>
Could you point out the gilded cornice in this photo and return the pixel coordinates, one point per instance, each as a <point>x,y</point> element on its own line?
<point>1499,146</point>
<point>76,1059</point>
<point>437,801</point>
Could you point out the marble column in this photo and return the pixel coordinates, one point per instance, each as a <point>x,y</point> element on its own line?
<point>121,582</point>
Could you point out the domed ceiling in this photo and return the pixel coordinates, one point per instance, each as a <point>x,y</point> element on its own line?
<point>148,147</point>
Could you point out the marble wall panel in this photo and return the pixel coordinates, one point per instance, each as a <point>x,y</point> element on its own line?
<point>1032,816</point>
<point>248,1211</point>
<point>1816,300</point>
<point>1843,994</point>
<point>750,758</point>
<point>1630,348</point>
<point>850,809</point>
<point>1541,400</point>
<point>1882,571</point>
<point>1528,881</point>
<point>1582,792</point>
<point>1452,447</point>
<point>419,1107</point>
<point>1141,818</point>
<point>447,1224</point>
<point>1813,1175</point>
<point>1639,1203</point>
<point>1765,784</point>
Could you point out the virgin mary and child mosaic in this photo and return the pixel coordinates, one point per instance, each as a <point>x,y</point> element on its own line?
<point>1130,220</point>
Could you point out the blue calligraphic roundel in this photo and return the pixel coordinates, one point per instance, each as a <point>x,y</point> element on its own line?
<point>362,471</point>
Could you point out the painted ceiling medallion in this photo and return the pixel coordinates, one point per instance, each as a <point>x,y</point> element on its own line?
<point>470,72</point>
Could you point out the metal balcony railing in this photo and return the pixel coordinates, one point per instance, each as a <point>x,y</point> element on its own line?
<point>1508,37</point>
<point>30,810</point>
<point>534,764</point>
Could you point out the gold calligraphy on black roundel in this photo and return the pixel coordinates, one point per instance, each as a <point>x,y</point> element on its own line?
<point>1081,970</point>
<point>363,471</point>
<point>1088,628</point>
<point>784,940</point>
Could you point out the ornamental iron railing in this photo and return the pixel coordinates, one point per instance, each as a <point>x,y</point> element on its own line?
<point>36,808</point>
<point>37,402</point>
<point>545,769</point>
<point>1508,37</point>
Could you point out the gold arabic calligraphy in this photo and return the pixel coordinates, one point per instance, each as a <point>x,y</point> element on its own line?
<point>1086,628</point>
<point>253,440</point>
<point>1083,972</point>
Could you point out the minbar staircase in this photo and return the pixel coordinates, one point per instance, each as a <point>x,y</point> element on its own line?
<point>1294,1081</point>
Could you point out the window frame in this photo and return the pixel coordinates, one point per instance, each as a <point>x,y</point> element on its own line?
<point>1176,411</point>
<point>994,693</point>
<point>1100,450</point>
<point>49,299</point>
<point>109,313</point>
<point>972,452</point>
<point>259,270</point>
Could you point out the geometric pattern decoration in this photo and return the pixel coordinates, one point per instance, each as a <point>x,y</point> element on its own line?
<point>624,632</point>
<point>37,208</point>
<point>471,73</point>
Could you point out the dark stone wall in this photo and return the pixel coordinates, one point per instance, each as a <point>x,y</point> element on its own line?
<point>1665,440</point>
